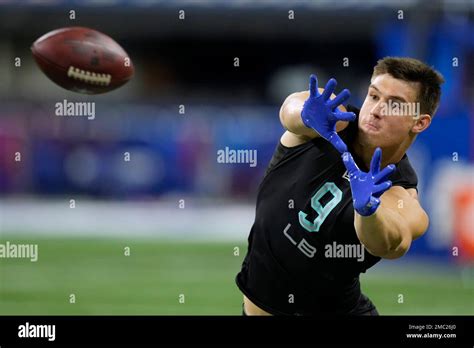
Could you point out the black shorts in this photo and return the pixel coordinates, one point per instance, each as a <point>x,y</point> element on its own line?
<point>364,307</point>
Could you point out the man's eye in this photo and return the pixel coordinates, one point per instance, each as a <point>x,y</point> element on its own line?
<point>395,104</point>
<point>373,96</point>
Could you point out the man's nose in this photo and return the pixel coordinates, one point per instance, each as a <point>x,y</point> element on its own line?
<point>377,110</point>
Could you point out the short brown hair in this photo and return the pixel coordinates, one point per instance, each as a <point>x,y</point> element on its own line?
<point>414,70</point>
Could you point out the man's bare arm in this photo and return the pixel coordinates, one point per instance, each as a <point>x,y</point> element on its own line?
<point>398,221</point>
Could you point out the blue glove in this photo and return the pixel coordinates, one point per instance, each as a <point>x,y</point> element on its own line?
<point>368,187</point>
<point>321,113</point>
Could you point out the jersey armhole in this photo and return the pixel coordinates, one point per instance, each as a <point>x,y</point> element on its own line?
<point>290,148</point>
<point>281,152</point>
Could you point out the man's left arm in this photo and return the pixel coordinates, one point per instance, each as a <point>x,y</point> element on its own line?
<point>398,220</point>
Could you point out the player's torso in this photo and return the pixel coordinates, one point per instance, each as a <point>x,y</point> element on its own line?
<point>305,216</point>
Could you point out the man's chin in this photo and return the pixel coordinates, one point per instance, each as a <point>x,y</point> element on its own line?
<point>369,139</point>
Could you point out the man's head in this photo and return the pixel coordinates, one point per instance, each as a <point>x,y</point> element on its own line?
<point>402,99</point>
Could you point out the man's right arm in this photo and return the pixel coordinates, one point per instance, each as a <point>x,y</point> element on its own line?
<point>290,117</point>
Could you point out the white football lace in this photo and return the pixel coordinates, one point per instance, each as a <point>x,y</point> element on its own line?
<point>89,77</point>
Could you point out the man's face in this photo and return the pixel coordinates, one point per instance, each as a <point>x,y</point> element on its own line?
<point>389,112</point>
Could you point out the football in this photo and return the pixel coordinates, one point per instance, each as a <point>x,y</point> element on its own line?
<point>82,60</point>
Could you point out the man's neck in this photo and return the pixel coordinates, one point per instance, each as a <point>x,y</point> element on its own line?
<point>390,155</point>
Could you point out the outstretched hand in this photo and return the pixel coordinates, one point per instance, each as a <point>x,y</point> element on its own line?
<point>368,187</point>
<point>321,113</point>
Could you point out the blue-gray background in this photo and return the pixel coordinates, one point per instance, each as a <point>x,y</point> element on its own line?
<point>190,62</point>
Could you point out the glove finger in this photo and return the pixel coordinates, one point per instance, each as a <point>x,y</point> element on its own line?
<point>340,98</point>
<point>381,188</point>
<point>329,89</point>
<point>384,173</point>
<point>313,86</point>
<point>375,162</point>
<point>337,142</point>
<point>349,163</point>
<point>345,116</point>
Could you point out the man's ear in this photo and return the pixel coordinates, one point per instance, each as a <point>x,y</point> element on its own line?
<point>421,123</point>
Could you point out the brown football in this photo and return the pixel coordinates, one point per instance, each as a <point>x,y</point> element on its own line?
<point>82,60</point>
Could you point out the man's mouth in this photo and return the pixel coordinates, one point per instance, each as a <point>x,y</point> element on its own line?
<point>372,126</point>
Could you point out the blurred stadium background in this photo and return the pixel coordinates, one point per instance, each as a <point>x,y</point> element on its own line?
<point>184,216</point>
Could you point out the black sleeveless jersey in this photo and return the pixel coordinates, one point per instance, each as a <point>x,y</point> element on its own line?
<point>304,256</point>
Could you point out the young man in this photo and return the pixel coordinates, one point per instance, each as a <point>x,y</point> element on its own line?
<point>325,211</point>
